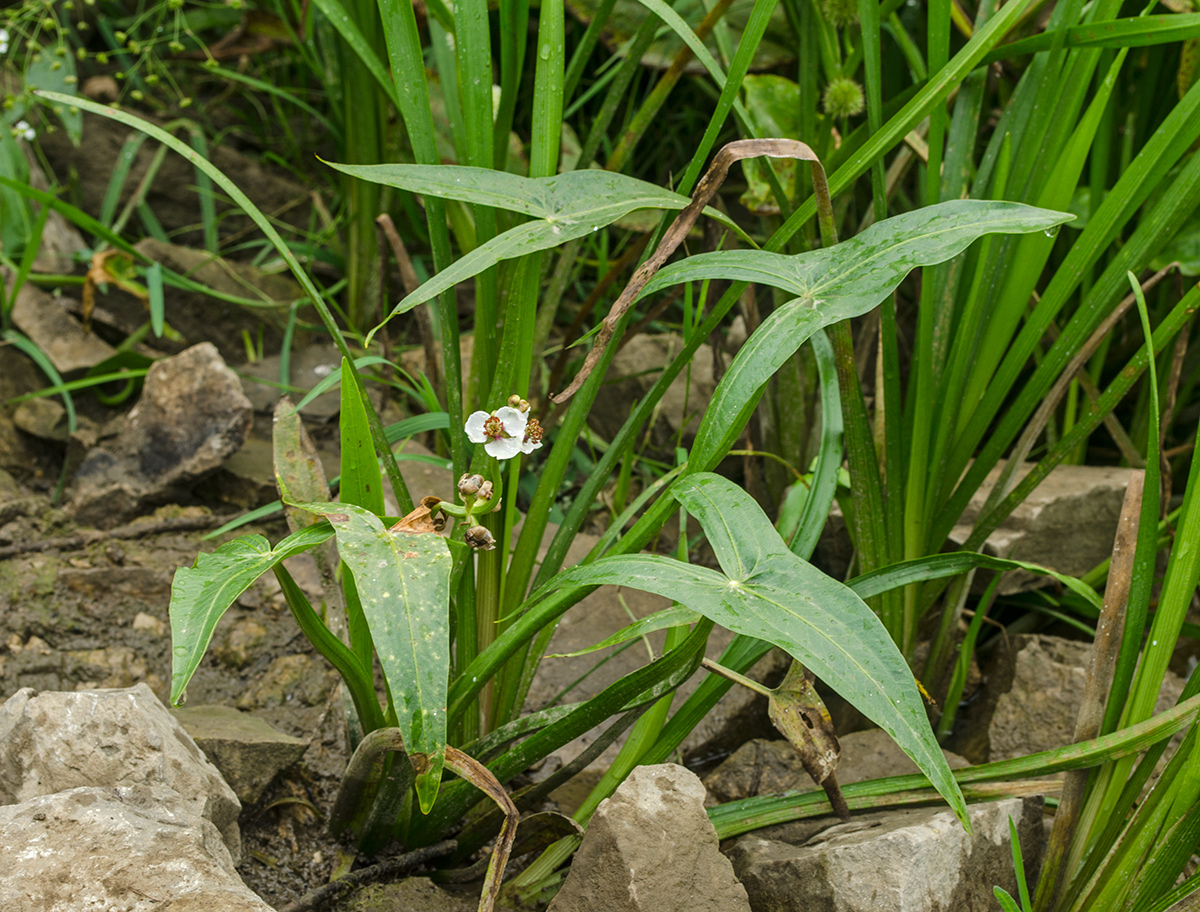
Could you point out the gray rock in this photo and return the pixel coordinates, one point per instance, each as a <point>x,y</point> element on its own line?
<point>909,860</point>
<point>1067,522</point>
<point>62,338</point>
<point>18,375</point>
<point>762,767</point>
<point>248,751</point>
<point>14,502</point>
<point>651,847</point>
<point>50,742</point>
<point>108,667</point>
<point>199,316</point>
<point>123,849</point>
<point>43,418</point>
<point>191,416</point>
<point>1032,696</point>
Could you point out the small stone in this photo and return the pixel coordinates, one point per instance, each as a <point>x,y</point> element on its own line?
<point>241,644</point>
<point>13,501</point>
<point>61,338</point>
<point>1032,697</point>
<point>132,848</point>
<point>248,751</point>
<point>148,622</point>
<point>191,416</point>
<point>37,646</point>
<point>762,767</point>
<point>917,860</point>
<point>52,741</point>
<point>1066,523</point>
<point>43,418</point>
<point>651,847</point>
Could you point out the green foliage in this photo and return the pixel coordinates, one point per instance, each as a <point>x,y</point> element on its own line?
<point>767,592</point>
<point>549,132</point>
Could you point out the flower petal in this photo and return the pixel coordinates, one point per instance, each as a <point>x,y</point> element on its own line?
<point>503,447</point>
<point>513,420</point>
<point>528,446</point>
<point>474,427</point>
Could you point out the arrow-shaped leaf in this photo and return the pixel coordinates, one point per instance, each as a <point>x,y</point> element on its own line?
<point>403,581</point>
<point>201,594</point>
<point>833,284</point>
<point>767,592</point>
<point>562,208</point>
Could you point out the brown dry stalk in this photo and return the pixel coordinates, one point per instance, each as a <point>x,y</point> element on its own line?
<point>481,777</point>
<point>408,278</point>
<point>1099,678</point>
<point>679,228</point>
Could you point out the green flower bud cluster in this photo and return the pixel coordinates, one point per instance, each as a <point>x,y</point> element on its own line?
<point>843,98</point>
<point>840,13</point>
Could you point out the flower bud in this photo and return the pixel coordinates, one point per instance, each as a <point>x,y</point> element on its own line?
<point>480,538</point>
<point>469,484</point>
<point>840,12</point>
<point>514,400</point>
<point>485,490</point>
<point>843,98</point>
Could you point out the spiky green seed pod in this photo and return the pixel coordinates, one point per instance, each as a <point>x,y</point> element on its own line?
<point>843,98</point>
<point>840,12</point>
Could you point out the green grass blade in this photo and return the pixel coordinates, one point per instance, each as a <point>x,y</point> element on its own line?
<point>829,455</point>
<point>1113,33</point>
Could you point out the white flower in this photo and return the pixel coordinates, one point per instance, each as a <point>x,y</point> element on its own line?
<point>501,433</point>
<point>25,131</point>
<point>3,41</point>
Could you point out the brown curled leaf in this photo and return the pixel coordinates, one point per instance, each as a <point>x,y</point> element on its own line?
<point>421,519</point>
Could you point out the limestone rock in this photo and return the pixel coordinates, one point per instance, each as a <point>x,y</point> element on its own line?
<point>308,367</point>
<point>122,849</point>
<point>1031,699</point>
<point>201,317</point>
<point>191,416</point>
<point>50,742</point>
<point>909,860</point>
<point>14,502</point>
<point>43,418</point>
<point>248,751</point>
<point>1067,522</point>
<point>651,847</point>
<point>62,338</point>
<point>762,767</point>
